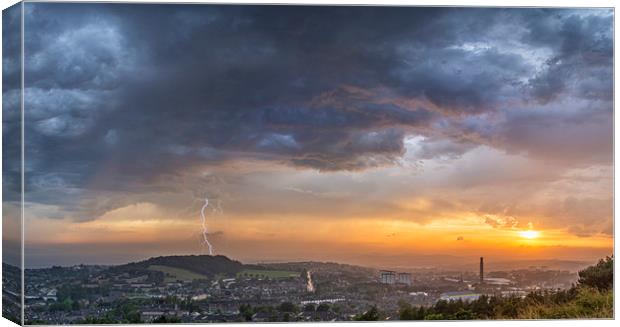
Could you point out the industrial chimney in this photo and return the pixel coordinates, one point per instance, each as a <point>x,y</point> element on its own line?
<point>481,270</point>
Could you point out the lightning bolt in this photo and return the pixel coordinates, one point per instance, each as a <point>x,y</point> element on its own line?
<point>205,231</point>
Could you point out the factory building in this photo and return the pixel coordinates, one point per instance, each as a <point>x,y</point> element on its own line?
<point>404,278</point>
<point>481,270</point>
<point>391,277</point>
<point>387,277</point>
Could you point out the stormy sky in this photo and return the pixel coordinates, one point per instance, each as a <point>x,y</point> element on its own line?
<point>298,122</point>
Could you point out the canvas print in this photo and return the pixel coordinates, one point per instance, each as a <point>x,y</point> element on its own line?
<point>11,165</point>
<point>201,163</point>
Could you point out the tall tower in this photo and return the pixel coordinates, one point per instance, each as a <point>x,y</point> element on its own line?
<point>481,270</point>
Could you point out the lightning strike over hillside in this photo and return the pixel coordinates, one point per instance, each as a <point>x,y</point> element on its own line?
<point>205,231</point>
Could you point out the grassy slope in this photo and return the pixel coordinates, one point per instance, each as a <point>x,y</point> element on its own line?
<point>269,273</point>
<point>173,274</point>
<point>589,303</point>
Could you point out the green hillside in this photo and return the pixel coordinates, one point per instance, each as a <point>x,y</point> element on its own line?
<point>204,265</point>
<point>172,274</point>
<point>268,273</point>
<point>192,267</point>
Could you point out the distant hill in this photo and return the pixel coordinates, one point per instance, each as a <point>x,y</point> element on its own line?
<point>200,264</point>
<point>553,264</point>
<point>463,263</point>
<point>315,265</point>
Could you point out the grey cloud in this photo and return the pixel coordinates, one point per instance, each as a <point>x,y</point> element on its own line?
<point>442,148</point>
<point>582,47</point>
<point>11,105</point>
<point>501,221</point>
<point>582,137</point>
<point>584,216</point>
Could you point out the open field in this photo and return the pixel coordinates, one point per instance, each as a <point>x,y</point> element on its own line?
<point>173,274</point>
<point>268,273</point>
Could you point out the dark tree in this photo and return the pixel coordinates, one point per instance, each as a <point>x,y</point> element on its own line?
<point>167,320</point>
<point>323,307</point>
<point>309,307</point>
<point>600,276</point>
<point>370,315</point>
<point>246,311</point>
<point>287,307</point>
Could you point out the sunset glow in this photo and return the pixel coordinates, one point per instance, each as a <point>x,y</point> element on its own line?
<point>529,234</point>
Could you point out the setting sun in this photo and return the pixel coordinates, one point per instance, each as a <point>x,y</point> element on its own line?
<point>529,234</point>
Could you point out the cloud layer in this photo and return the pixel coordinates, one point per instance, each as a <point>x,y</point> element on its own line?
<point>124,102</point>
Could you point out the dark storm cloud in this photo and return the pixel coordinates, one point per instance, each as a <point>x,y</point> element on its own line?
<point>582,47</point>
<point>119,95</point>
<point>11,104</point>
